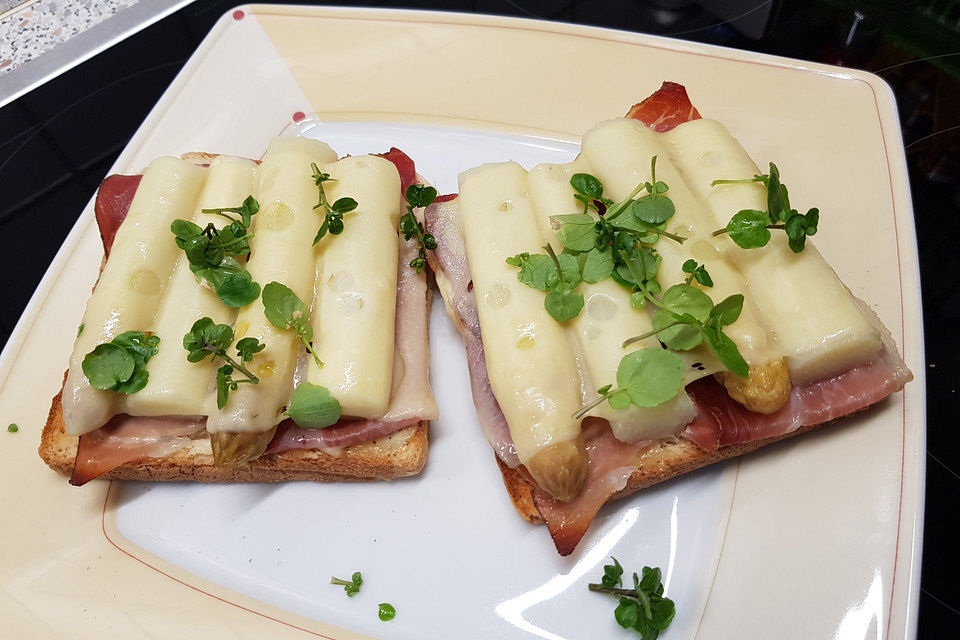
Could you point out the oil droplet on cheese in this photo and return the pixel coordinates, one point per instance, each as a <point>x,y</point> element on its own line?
<point>265,370</point>
<point>526,335</point>
<point>497,295</point>
<point>601,307</point>
<point>703,251</point>
<point>277,216</point>
<point>710,157</point>
<point>242,328</point>
<point>145,282</point>
<point>342,281</point>
<point>507,205</point>
<point>350,301</point>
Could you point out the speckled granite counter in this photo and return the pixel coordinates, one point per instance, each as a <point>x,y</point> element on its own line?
<point>38,27</point>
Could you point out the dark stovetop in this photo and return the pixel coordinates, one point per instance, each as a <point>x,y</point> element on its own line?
<point>58,141</point>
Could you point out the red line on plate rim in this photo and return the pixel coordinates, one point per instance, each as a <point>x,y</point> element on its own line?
<point>648,46</point>
<point>103,528</point>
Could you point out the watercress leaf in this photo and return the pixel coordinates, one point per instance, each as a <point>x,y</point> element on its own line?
<point>386,611</point>
<point>569,266</point>
<point>662,612</point>
<point>726,350</point>
<point>137,380</point>
<point>248,209</point>
<point>748,229</point>
<point>563,303</point>
<point>653,209</point>
<point>419,195</point>
<point>612,573</point>
<point>638,300</point>
<point>518,260</point>
<point>650,376</point>
<point>322,231</point>
<point>627,613</point>
<point>281,305</point>
<point>185,229</point>
<point>650,578</point>
<point>700,275</point>
<point>232,283</point>
<point>224,383</point>
<point>683,298</point>
<point>598,265</point>
<point>138,344</point>
<point>812,219</point>
<point>535,270</point>
<point>660,187</point>
<point>587,184</point>
<point>777,200</point>
<point>313,407</point>
<point>681,337</point>
<point>619,400</point>
<point>247,347</point>
<point>577,231</point>
<point>429,241</point>
<point>727,310</point>
<point>108,366</point>
<point>689,266</point>
<point>602,390</point>
<point>344,205</point>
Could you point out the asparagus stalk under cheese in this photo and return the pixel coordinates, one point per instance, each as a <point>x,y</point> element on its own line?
<point>177,386</point>
<point>356,289</point>
<point>532,368</point>
<point>607,319</point>
<point>281,250</point>
<point>131,284</point>
<point>819,326</point>
<point>619,152</point>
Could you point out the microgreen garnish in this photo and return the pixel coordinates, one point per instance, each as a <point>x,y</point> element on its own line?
<point>209,339</point>
<point>643,608</point>
<point>352,587</point>
<point>332,213</point>
<point>121,364</point>
<point>418,195</point>
<point>285,310</point>
<point>387,612</point>
<point>80,329</point>
<point>698,272</point>
<point>12,427</point>
<point>559,277</point>
<point>750,228</point>
<point>313,407</point>
<point>645,378</point>
<point>247,210</point>
<point>212,252</point>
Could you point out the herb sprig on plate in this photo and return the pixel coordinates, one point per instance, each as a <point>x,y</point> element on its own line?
<point>332,213</point>
<point>642,608</point>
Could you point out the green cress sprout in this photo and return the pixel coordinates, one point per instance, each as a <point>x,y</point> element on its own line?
<point>645,378</point>
<point>352,587</point>
<point>285,311</point>
<point>209,339</point>
<point>313,407</point>
<point>750,229</point>
<point>12,427</point>
<point>418,195</point>
<point>212,252</point>
<point>643,608</point>
<point>387,612</point>
<point>698,272</point>
<point>332,213</point>
<point>121,364</point>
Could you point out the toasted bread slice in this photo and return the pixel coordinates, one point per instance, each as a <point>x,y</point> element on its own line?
<point>400,454</point>
<point>668,459</point>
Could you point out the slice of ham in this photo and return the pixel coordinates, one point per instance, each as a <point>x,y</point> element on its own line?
<point>112,204</point>
<point>127,438</point>
<point>610,463</point>
<point>666,108</point>
<point>456,285</point>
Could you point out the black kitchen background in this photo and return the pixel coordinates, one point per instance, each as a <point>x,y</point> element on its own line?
<point>58,141</point>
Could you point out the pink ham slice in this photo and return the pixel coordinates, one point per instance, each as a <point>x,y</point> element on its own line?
<point>127,438</point>
<point>456,284</point>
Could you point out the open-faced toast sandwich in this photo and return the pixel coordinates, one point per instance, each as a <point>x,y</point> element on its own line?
<point>648,309</point>
<point>253,321</point>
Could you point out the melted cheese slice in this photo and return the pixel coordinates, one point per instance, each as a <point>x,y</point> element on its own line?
<point>532,368</point>
<point>282,251</point>
<point>179,387</point>
<point>819,326</point>
<point>619,152</point>
<point>133,279</point>
<point>356,289</point>
<point>607,319</point>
